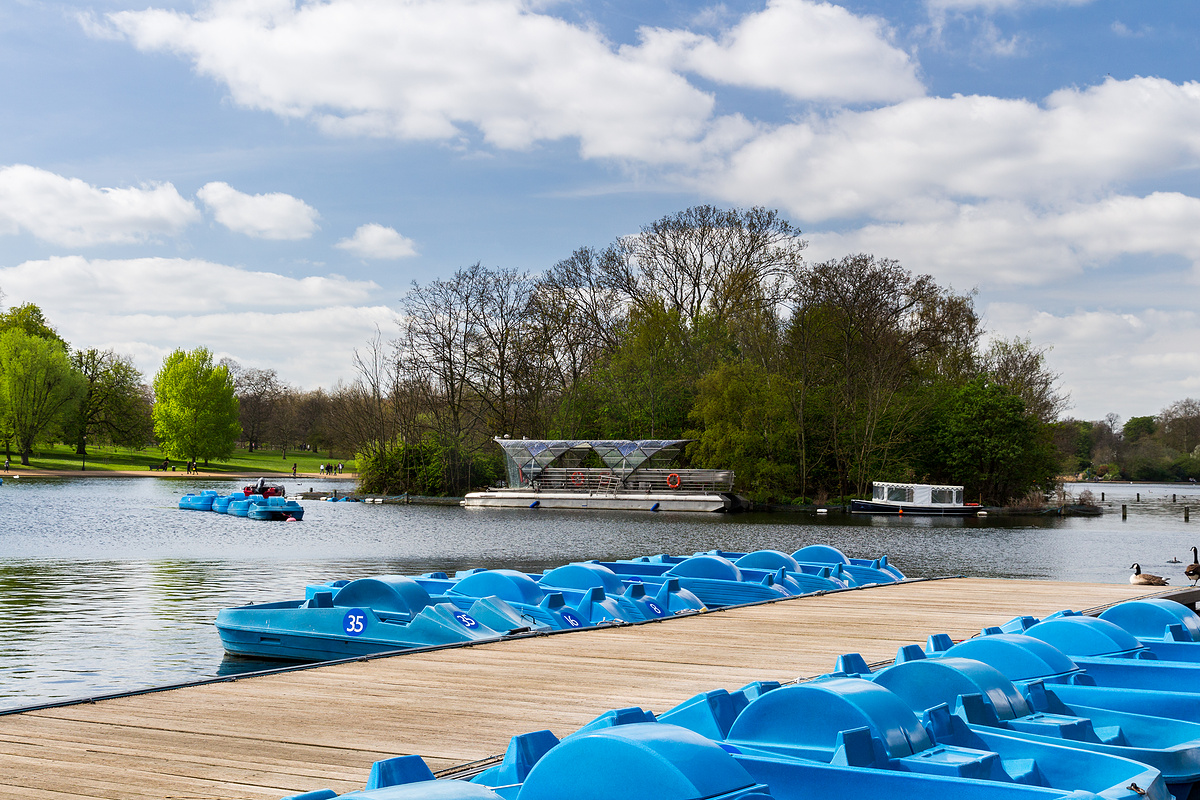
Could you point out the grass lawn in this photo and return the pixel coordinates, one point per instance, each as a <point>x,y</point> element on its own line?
<point>103,459</point>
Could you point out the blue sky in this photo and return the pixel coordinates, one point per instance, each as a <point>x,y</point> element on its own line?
<point>267,178</point>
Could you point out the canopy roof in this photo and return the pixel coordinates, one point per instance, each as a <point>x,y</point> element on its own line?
<point>527,458</point>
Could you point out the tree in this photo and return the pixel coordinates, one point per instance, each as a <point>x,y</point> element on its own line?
<point>1019,365</point>
<point>38,386</point>
<point>258,392</point>
<point>195,408</point>
<point>1180,425</point>
<point>1136,428</point>
<point>989,443</point>
<point>112,405</point>
<point>882,332</point>
<point>30,319</point>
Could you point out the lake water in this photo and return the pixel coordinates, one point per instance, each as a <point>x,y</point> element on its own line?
<point>106,586</point>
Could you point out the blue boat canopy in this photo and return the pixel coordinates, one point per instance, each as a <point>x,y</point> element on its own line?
<point>526,459</point>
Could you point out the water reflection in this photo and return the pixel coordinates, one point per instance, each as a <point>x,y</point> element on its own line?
<point>105,585</point>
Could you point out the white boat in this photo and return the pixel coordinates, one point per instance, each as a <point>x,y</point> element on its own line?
<point>915,498</point>
<point>637,475</point>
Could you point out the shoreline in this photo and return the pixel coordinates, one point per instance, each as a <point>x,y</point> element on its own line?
<point>36,472</point>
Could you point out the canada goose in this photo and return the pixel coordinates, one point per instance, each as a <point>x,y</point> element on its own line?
<point>1192,570</point>
<point>1139,578</point>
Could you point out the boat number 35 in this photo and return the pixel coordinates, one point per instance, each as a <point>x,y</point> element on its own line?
<point>355,621</point>
<point>467,620</point>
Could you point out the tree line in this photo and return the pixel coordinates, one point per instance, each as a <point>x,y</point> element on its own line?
<point>1161,447</point>
<point>194,409</point>
<point>809,380</point>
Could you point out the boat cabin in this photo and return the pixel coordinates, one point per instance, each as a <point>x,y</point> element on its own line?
<point>921,494</point>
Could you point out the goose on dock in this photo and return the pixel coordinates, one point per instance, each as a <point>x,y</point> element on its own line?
<point>1139,578</point>
<point>1192,570</point>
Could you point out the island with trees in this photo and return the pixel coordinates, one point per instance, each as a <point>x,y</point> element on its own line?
<point>808,380</point>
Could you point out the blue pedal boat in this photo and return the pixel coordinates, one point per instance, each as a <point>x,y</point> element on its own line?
<point>1084,718</point>
<point>220,503</point>
<point>822,560</point>
<point>540,605</point>
<point>857,723</point>
<point>240,506</point>
<point>275,508</point>
<point>715,580</point>
<point>625,755</point>
<point>198,502</point>
<point>364,616</point>
<point>633,600</point>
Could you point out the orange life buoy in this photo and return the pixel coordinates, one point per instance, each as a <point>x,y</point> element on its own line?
<point>673,481</point>
<point>577,479</point>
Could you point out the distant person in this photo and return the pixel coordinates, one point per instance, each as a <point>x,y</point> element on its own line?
<point>322,467</point>
<point>166,463</point>
<point>341,468</point>
<point>6,463</point>
<point>293,470</point>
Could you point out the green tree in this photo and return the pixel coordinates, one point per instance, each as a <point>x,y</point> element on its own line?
<point>37,386</point>
<point>987,441</point>
<point>195,407</point>
<point>113,406</point>
<point>1138,428</point>
<point>748,427</point>
<point>30,319</point>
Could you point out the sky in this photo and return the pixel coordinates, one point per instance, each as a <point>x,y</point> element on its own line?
<point>268,178</point>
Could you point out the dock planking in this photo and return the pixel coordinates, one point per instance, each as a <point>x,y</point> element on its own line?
<point>270,735</point>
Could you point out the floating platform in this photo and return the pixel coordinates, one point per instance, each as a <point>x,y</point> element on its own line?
<point>270,735</point>
<point>600,501</point>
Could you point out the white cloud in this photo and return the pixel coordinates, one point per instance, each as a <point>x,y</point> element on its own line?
<point>263,216</point>
<point>809,51</point>
<point>895,162</point>
<point>435,69</point>
<point>377,241</point>
<point>148,307</point>
<point>1014,244</point>
<point>1131,363</point>
<point>73,284</point>
<point>69,211</point>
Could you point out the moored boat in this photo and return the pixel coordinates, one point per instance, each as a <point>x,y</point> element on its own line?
<point>364,616</point>
<point>915,498</point>
<point>198,502</point>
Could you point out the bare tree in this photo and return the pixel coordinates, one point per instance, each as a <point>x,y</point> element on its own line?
<point>1179,424</point>
<point>1021,367</point>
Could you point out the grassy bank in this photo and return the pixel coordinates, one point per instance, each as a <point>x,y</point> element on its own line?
<point>113,459</point>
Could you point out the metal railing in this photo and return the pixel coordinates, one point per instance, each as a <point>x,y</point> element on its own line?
<point>600,480</point>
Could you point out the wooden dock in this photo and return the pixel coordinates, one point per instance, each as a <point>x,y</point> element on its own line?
<point>271,735</point>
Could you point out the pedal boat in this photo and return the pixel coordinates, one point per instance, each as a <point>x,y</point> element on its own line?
<point>365,616</point>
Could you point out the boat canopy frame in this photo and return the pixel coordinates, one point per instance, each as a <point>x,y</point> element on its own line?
<point>527,459</point>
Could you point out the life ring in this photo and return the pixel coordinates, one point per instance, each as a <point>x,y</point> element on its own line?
<point>577,479</point>
<point>673,481</point>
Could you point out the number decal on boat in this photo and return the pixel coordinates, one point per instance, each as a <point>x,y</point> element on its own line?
<point>466,619</point>
<point>572,620</point>
<point>355,621</point>
<point>654,607</point>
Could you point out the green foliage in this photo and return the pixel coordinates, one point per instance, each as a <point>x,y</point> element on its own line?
<point>30,319</point>
<point>987,441</point>
<point>1138,428</point>
<point>747,426</point>
<point>423,468</point>
<point>113,408</point>
<point>38,386</point>
<point>195,408</point>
